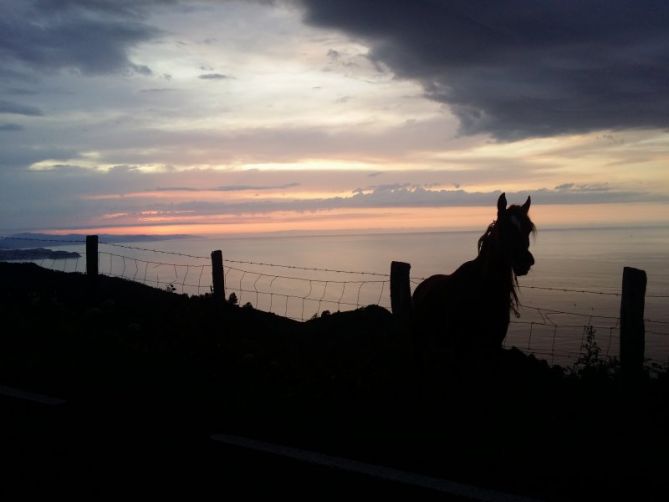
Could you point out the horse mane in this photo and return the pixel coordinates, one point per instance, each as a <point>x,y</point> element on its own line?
<point>486,246</point>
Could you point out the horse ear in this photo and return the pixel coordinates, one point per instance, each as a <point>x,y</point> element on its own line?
<point>526,207</point>
<point>501,204</point>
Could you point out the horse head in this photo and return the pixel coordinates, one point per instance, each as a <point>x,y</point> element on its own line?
<point>513,228</point>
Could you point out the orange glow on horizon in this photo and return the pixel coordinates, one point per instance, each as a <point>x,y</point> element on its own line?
<point>222,195</point>
<point>382,220</point>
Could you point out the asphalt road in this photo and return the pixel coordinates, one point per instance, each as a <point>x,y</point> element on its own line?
<point>55,448</point>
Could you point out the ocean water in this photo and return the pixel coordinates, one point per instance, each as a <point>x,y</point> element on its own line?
<point>575,282</point>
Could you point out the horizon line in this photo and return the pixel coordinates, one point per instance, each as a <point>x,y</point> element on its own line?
<point>334,233</point>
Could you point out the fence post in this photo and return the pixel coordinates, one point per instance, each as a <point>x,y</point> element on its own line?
<point>632,330</point>
<point>92,266</point>
<point>92,257</point>
<point>218,278</point>
<point>400,290</point>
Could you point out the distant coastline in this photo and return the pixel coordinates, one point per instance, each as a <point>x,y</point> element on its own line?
<point>36,254</point>
<point>26,240</point>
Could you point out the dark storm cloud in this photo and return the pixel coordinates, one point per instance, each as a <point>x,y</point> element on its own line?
<point>19,109</point>
<point>522,68</point>
<point>92,37</point>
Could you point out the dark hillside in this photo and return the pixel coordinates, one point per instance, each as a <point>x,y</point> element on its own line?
<point>149,362</point>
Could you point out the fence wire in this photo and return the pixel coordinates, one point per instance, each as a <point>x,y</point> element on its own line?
<point>292,296</point>
<point>564,342</point>
<point>184,278</point>
<point>300,297</point>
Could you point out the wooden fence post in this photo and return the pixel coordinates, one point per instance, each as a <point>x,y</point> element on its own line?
<point>632,330</point>
<point>92,256</point>
<point>218,277</point>
<point>400,290</point>
<point>92,266</point>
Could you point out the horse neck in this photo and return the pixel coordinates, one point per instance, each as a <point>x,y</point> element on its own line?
<point>497,274</point>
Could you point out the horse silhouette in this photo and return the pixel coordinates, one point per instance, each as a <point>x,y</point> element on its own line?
<point>468,311</point>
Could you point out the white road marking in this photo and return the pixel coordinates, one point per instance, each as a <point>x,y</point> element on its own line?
<point>30,396</point>
<point>376,471</point>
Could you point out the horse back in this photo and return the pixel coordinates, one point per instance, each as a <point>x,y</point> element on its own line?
<point>425,291</point>
<point>461,309</point>
<point>440,291</point>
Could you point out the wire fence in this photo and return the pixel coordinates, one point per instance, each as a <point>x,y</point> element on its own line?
<point>291,295</point>
<point>175,277</point>
<point>563,341</point>
<point>301,293</point>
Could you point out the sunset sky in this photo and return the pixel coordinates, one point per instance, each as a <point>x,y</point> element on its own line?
<point>238,117</point>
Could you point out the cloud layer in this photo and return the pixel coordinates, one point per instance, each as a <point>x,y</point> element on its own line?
<point>121,111</point>
<point>91,37</point>
<point>520,68</point>
<point>19,109</point>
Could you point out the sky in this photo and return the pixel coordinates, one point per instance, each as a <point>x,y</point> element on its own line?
<point>238,117</point>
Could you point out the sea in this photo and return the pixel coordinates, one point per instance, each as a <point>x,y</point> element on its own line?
<point>572,291</point>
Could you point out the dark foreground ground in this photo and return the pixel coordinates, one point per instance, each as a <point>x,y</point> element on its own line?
<point>148,376</point>
<point>75,451</point>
